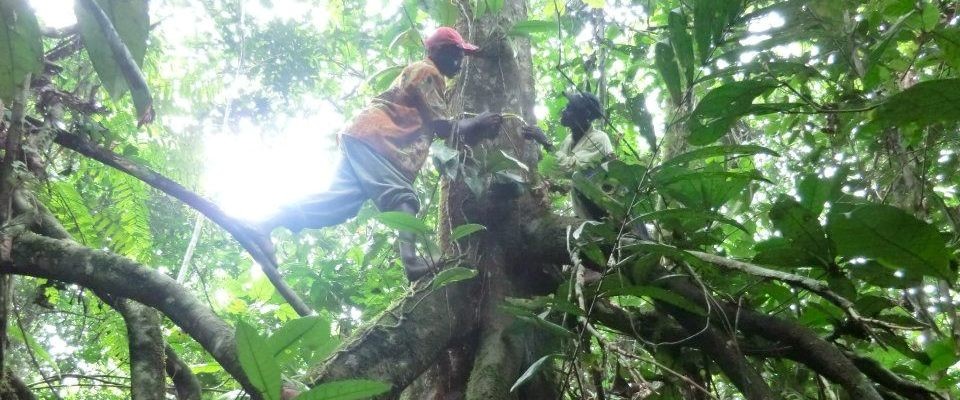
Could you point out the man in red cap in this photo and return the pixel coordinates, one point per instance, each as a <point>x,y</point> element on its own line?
<point>384,147</point>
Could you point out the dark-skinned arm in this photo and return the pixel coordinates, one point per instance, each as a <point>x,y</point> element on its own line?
<point>484,125</point>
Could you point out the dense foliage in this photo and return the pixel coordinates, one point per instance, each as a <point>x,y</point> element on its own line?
<point>796,159</point>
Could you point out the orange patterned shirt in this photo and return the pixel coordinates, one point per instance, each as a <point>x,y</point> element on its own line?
<point>395,122</point>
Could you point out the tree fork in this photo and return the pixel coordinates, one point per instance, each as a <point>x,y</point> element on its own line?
<point>62,260</point>
<point>405,340</point>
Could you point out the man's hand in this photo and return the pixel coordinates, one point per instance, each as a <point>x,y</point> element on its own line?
<point>487,124</point>
<point>533,132</point>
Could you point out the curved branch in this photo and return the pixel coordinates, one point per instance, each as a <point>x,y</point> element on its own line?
<point>890,380</point>
<point>798,281</point>
<point>147,380</point>
<point>184,381</point>
<point>62,260</point>
<point>81,145</point>
<point>406,339</point>
<point>11,387</point>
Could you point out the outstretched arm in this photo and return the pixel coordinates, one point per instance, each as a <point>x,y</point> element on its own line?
<point>484,125</point>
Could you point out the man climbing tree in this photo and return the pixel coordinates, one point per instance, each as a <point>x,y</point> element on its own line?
<point>385,146</point>
<point>584,149</point>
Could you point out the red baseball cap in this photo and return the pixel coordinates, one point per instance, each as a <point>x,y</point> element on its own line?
<point>446,35</point>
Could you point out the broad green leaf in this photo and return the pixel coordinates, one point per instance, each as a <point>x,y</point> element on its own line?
<point>930,16</point>
<point>494,6</point>
<point>131,21</point>
<point>444,12</point>
<point>402,221</point>
<point>705,190</point>
<point>531,371</point>
<point>451,275</point>
<point>533,26</point>
<point>722,107</point>
<point>20,46</point>
<point>465,230</point>
<point>293,331</point>
<point>704,18</point>
<point>381,80</point>
<point>888,37</point>
<point>925,103</point>
<point>890,236</point>
<point>594,193</point>
<point>801,229</point>
<point>690,214</point>
<point>816,191</point>
<point>717,151</point>
<point>353,389</point>
<point>876,274</point>
<point>780,253</point>
<point>669,71</point>
<point>682,44</point>
<point>948,39</point>
<point>257,361</point>
<point>656,293</point>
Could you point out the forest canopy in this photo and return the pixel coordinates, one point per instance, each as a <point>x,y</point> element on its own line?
<point>780,216</point>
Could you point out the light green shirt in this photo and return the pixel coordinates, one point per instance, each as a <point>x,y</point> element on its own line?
<point>592,149</point>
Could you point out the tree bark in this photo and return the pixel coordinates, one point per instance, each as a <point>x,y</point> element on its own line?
<point>62,260</point>
<point>185,382</point>
<point>147,379</point>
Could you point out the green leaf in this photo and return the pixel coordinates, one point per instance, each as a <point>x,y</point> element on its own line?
<point>948,39</point>
<point>682,44</point>
<point>293,331</point>
<point>494,6</point>
<point>876,274</point>
<point>890,236</point>
<point>801,229</point>
<point>669,71</point>
<point>592,191</point>
<point>381,80</point>
<point>930,16</point>
<point>706,190</point>
<point>20,45</point>
<point>352,389</point>
<point>402,221</point>
<point>722,107</point>
<point>451,275</point>
<point>691,214</point>
<point>465,230</point>
<point>531,371</point>
<point>131,20</point>
<point>533,26</point>
<point>717,151</point>
<point>704,18</point>
<point>923,104</point>
<point>816,191</point>
<point>444,12</point>
<point>656,293</point>
<point>257,361</point>
<point>780,253</point>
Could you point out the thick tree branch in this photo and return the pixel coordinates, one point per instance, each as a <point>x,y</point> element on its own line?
<point>62,260</point>
<point>79,144</point>
<point>405,340</point>
<point>890,380</point>
<point>184,381</point>
<point>12,388</point>
<point>798,281</point>
<point>147,379</point>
